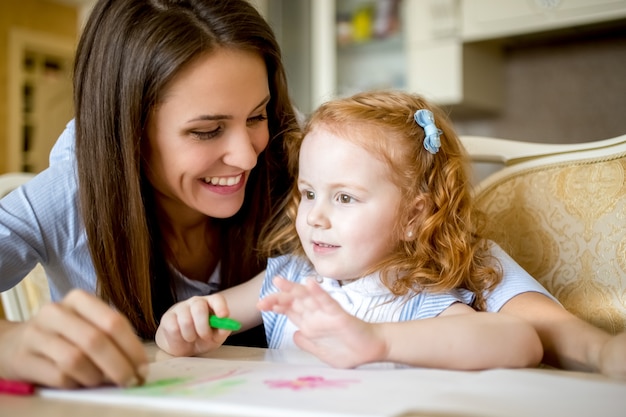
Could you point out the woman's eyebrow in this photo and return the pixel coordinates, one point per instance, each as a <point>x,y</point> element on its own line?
<point>225,116</point>
<point>263,102</point>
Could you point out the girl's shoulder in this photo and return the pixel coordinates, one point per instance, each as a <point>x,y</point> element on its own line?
<point>291,267</point>
<point>515,280</point>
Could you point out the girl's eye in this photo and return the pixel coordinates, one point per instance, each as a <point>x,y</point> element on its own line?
<point>257,119</point>
<point>308,195</point>
<point>204,135</point>
<point>345,199</point>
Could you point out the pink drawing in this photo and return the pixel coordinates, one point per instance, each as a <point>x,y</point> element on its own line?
<point>312,382</point>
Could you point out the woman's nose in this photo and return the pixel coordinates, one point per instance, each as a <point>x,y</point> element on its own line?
<point>240,151</point>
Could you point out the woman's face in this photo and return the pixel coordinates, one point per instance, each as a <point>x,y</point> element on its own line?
<point>206,134</point>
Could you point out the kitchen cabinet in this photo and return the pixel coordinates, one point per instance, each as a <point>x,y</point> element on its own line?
<point>450,51</point>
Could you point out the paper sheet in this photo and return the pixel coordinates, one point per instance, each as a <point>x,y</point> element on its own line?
<point>249,388</point>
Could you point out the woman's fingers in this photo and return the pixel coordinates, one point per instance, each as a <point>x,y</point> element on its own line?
<point>79,341</point>
<point>44,358</point>
<point>105,337</point>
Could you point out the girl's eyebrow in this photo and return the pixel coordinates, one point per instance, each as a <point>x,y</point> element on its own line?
<point>203,117</point>
<point>335,185</point>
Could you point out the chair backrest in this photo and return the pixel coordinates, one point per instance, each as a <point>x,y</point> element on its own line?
<point>560,211</point>
<point>22,301</point>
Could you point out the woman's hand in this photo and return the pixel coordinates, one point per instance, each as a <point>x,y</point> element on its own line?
<point>325,329</point>
<point>184,329</point>
<point>612,360</point>
<point>77,342</point>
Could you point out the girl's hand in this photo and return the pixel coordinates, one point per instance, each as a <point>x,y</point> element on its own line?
<point>324,328</point>
<point>77,342</point>
<point>184,329</point>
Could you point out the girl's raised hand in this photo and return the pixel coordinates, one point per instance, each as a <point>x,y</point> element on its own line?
<point>324,328</point>
<point>77,342</point>
<point>184,329</point>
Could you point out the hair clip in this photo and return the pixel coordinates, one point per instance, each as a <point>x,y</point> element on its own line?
<point>425,118</point>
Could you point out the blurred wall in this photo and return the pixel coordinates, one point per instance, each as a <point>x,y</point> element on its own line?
<point>36,15</point>
<point>565,90</point>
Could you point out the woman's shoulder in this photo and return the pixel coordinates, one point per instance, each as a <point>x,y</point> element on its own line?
<point>65,147</point>
<point>47,204</point>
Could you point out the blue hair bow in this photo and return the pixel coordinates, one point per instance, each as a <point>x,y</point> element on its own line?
<point>425,118</point>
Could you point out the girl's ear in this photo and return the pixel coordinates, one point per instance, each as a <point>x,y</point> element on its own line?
<point>415,217</point>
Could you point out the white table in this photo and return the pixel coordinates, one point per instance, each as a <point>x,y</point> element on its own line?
<point>368,391</point>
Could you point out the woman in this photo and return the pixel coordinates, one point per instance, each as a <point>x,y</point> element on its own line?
<point>181,112</point>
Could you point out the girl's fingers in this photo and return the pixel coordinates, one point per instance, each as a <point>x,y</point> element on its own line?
<point>186,327</point>
<point>218,305</point>
<point>324,300</point>
<point>276,300</point>
<point>283,284</point>
<point>200,316</point>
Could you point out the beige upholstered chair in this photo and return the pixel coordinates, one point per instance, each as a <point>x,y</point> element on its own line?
<point>22,301</point>
<point>560,211</point>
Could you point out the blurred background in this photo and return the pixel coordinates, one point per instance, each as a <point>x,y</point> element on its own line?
<point>534,70</point>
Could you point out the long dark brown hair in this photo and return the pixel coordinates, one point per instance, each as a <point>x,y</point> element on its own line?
<point>129,51</point>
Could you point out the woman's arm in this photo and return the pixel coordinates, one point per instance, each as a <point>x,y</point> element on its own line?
<point>459,338</point>
<point>568,341</point>
<point>79,341</point>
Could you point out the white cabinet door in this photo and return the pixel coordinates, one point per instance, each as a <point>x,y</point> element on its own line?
<point>488,19</point>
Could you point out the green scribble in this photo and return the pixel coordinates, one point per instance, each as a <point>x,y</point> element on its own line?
<point>185,387</point>
<point>157,387</point>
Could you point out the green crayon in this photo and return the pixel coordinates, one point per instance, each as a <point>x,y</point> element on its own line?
<point>224,323</point>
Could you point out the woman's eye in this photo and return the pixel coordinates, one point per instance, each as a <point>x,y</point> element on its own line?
<point>257,119</point>
<point>206,135</point>
<point>308,195</point>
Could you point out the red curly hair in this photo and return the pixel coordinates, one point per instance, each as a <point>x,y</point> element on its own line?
<point>446,250</point>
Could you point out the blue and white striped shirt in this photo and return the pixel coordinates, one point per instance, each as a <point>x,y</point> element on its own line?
<point>369,300</point>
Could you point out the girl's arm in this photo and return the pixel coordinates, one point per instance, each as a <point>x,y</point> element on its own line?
<point>568,341</point>
<point>184,329</point>
<point>459,338</point>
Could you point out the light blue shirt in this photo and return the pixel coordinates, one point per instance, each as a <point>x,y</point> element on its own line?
<point>40,223</point>
<point>365,298</point>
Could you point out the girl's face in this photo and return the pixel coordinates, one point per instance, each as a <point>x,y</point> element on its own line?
<point>206,134</point>
<point>347,213</point>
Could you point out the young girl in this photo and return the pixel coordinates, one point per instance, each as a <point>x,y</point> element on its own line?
<point>378,233</point>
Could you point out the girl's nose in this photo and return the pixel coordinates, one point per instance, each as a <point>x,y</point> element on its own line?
<point>317,216</point>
